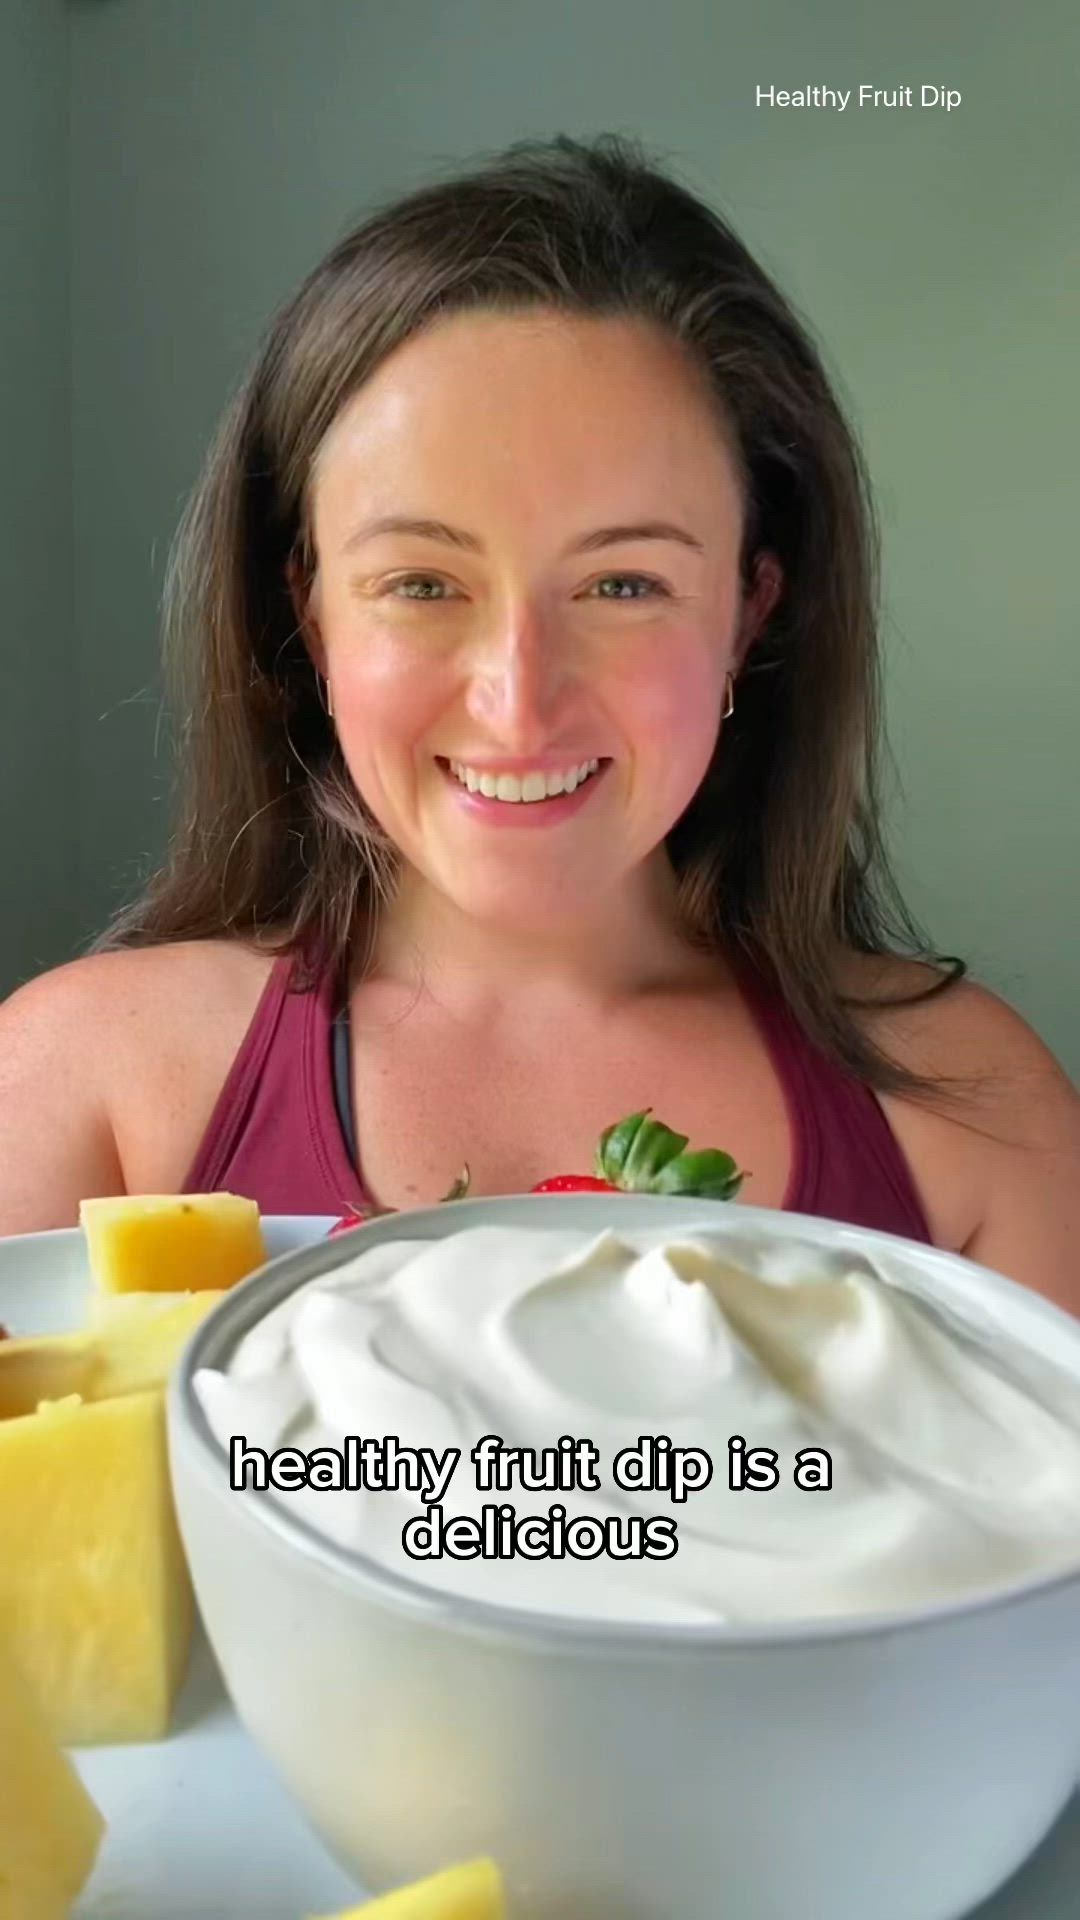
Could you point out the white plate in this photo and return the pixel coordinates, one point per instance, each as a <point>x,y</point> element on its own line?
<point>45,1282</point>
<point>199,1827</point>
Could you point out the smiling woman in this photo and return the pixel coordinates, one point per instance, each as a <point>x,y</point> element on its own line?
<point>523,630</point>
<point>524,654</point>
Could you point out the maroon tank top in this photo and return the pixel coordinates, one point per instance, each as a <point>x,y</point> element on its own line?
<point>276,1134</point>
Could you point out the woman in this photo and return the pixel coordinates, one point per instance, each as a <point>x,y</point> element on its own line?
<point>538,479</point>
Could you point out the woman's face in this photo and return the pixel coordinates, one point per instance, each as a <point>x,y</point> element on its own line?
<point>550,628</point>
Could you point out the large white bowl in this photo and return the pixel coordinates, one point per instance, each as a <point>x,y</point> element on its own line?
<point>894,1768</point>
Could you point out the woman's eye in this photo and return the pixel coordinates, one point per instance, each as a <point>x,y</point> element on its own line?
<point>641,579</point>
<point>651,587</point>
<point>424,580</point>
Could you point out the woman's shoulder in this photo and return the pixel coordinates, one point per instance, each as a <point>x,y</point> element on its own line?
<point>224,968</point>
<point>136,1024</point>
<point>935,1023</point>
<point>1010,1144</point>
<point>109,1067</point>
<point>171,983</point>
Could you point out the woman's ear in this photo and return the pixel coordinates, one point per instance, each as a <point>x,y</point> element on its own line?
<point>302,595</point>
<point>758,603</point>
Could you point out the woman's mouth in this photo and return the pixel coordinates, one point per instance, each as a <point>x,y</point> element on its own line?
<point>525,800</point>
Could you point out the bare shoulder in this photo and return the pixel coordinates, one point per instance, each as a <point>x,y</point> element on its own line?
<point>1010,1141</point>
<point>110,1066</point>
<point>175,986</point>
<point>960,1028</point>
<point>177,1017</point>
<point>169,980</point>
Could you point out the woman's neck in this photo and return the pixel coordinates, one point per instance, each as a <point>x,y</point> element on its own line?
<point>629,946</point>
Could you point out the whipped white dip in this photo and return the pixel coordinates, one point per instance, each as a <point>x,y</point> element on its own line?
<point>955,1455</point>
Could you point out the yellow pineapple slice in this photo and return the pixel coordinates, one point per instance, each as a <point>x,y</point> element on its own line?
<point>51,1366</point>
<point>471,1891</point>
<point>94,1588</point>
<point>170,1243</point>
<point>124,1352</point>
<point>108,1310</point>
<point>93,1570</point>
<point>50,1829</point>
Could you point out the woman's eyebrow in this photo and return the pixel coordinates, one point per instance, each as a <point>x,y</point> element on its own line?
<point>457,537</point>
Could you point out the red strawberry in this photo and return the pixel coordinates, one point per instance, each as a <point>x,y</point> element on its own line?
<point>574,1183</point>
<point>639,1155</point>
<point>636,1155</point>
<point>349,1220</point>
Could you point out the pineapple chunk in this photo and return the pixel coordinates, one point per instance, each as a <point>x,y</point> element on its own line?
<point>472,1891</point>
<point>125,1352</point>
<point>50,1829</point>
<point>108,1310</point>
<point>94,1587</point>
<point>168,1243</point>
<point>50,1367</point>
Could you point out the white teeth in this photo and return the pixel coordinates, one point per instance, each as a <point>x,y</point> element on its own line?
<point>532,787</point>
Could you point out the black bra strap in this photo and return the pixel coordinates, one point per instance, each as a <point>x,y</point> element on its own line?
<point>343,1080</point>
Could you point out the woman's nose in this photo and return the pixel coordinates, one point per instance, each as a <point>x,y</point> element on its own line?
<point>518,683</point>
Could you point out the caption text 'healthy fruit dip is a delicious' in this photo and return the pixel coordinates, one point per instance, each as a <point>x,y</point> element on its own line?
<point>915,1461</point>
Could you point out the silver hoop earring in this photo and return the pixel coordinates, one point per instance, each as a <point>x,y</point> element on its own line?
<point>730,706</point>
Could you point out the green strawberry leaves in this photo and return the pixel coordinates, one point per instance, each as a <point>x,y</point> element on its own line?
<point>640,1155</point>
<point>707,1174</point>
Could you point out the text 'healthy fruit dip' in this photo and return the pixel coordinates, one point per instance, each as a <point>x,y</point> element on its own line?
<point>955,1456</point>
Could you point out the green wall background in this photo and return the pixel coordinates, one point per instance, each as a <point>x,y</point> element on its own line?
<point>40,911</point>
<point>217,147</point>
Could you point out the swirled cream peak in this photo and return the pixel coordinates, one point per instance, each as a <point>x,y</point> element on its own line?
<point>954,1454</point>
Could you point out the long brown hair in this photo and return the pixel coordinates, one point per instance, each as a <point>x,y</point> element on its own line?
<point>781,850</point>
